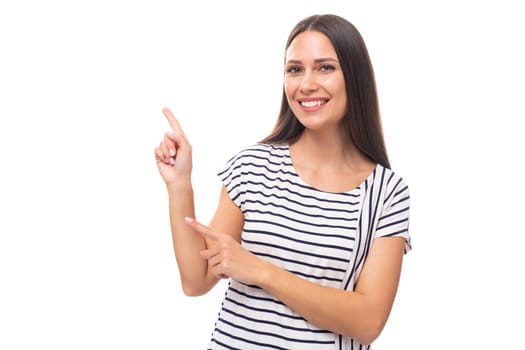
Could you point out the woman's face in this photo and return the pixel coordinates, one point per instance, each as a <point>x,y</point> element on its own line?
<point>314,82</point>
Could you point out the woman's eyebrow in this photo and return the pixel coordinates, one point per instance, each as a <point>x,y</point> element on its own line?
<point>318,60</point>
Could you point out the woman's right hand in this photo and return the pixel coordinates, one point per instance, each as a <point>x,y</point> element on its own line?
<point>173,155</point>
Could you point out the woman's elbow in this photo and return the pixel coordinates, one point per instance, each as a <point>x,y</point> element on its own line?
<point>191,292</point>
<point>370,331</point>
<point>194,291</point>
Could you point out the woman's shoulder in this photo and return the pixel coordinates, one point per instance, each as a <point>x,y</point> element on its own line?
<point>256,156</point>
<point>266,148</point>
<point>391,181</point>
<point>388,174</point>
<point>261,151</point>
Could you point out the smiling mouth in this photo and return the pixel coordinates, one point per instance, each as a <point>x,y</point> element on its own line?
<point>311,104</point>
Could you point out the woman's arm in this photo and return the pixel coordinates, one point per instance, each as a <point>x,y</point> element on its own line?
<point>360,314</point>
<point>195,277</point>
<point>174,161</point>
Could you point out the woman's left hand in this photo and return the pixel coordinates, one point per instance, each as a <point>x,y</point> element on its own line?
<point>228,259</point>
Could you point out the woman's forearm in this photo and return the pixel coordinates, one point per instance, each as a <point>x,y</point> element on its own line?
<point>340,311</point>
<point>186,243</point>
<point>361,314</point>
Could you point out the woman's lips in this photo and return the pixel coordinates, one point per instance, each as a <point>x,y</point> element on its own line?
<point>312,105</point>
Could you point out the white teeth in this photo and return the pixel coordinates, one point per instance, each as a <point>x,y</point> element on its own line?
<point>312,103</point>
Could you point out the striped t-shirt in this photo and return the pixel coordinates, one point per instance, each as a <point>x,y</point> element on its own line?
<point>317,235</point>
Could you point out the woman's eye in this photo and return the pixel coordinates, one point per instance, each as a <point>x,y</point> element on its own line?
<point>326,68</point>
<point>293,69</point>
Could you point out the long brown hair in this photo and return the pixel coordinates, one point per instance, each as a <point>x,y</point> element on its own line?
<point>362,120</point>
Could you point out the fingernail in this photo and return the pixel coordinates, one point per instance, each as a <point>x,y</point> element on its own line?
<point>172,161</point>
<point>172,152</point>
<point>188,219</point>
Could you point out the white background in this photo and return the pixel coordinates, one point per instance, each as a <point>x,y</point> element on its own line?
<point>85,250</point>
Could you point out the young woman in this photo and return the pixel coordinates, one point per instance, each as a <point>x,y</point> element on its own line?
<point>312,225</point>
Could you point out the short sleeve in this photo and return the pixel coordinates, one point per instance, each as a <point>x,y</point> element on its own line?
<point>231,176</point>
<point>394,219</point>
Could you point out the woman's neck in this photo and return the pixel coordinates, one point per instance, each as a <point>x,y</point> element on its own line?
<point>328,152</point>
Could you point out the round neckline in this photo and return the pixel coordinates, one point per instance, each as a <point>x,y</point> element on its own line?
<point>350,191</point>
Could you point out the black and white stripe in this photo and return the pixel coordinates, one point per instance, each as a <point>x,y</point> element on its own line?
<point>320,236</point>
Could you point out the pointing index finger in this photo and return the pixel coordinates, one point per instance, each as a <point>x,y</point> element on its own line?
<point>172,120</point>
<point>202,229</point>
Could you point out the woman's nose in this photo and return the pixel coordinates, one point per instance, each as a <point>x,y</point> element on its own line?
<point>309,82</point>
